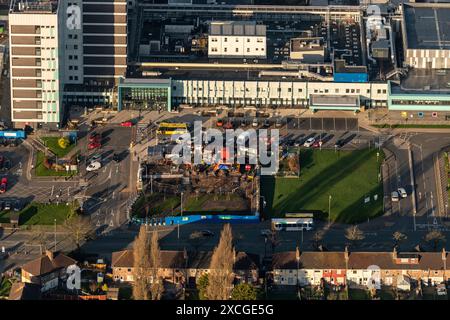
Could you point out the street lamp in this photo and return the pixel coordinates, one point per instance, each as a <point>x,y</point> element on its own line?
<point>55,235</point>
<point>181,211</point>
<point>329,210</point>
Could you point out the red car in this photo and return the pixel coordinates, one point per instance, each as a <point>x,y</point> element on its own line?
<point>94,137</point>
<point>3,185</point>
<point>317,144</point>
<point>94,145</point>
<point>228,125</point>
<point>126,124</point>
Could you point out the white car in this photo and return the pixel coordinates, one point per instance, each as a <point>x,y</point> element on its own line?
<point>308,143</point>
<point>255,122</point>
<point>402,192</point>
<point>394,196</point>
<point>94,166</point>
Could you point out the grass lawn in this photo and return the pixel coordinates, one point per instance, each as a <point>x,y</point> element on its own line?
<point>42,171</point>
<point>52,144</point>
<point>170,204</point>
<point>348,176</point>
<point>44,214</point>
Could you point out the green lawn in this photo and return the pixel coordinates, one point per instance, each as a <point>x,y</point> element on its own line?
<point>52,144</point>
<point>39,214</point>
<point>348,176</point>
<point>42,171</point>
<point>5,287</point>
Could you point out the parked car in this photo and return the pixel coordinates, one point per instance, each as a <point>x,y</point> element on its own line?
<point>7,206</point>
<point>207,233</point>
<point>278,123</point>
<point>2,205</point>
<point>308,143</point>
<point>94,145</point>
<point>3,185</point>
<point>394,196</point>
<point>96,157</point>
<point>255,122</point>
<point>402,192</point>
<point>2,161</point>
<point>228,125</point>
<point>94,137</point>
<point>339,143</point>
<point>126,124</point>
<point>116,157</point>
<point>317,144</point>
<point>219,123</point>
<point>18,206</point>
<point>266,123</point>
<point>94,166</point>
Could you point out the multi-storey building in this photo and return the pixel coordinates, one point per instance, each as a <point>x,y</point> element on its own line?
<point>64,53</point>
<point>35,61</point>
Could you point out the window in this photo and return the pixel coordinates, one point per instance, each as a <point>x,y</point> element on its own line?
<point>70,67</point>
<point>225,39</point>
<point>289,89</point>
<point>237,49</point>
<point>300,90</point>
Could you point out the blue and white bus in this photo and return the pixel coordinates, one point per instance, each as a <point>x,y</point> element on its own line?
<point>293,224</point>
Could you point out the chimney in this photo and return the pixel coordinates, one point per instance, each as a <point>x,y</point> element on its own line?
<point>346,254</point>
<point>444,255</point>
<point>49,254</point>
<point>394,253</point>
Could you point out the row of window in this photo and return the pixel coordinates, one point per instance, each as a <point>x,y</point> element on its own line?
<point>259,40</point>
<point>214,49</point>
<point>337,90</point>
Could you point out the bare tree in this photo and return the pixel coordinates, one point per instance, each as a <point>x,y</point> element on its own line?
<point>221,268</point>
<point>399,237</point>
<point>435,237</point>
<point>156,286</point>
<point>78,228</point>
<point>354,234</point>
<point>141,264</point>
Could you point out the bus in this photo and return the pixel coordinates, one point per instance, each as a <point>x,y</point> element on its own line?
<point>170,128</point>
<point>293,224</point>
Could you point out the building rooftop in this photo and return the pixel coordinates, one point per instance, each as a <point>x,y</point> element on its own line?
<point>425,81</point>
<point>33,6</point>
<point>427,26</point>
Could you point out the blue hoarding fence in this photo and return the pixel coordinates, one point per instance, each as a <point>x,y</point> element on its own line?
<point>208,218</point>
<point>10,134</point>
<point>351,77</point>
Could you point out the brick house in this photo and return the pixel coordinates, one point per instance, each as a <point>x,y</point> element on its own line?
<point>359,269</point>
<point>185,267</point>
<point>48,271</point>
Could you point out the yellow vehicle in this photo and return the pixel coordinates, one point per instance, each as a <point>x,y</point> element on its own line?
<point>170,128</point>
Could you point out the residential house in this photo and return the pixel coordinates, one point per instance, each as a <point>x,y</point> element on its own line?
<point>47,271</point>
<point>359,269</point>
<point>185,267</point>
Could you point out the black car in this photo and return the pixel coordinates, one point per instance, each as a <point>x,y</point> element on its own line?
<point>18,206</point>
<point>116,157</point>
<point>207,233</point>
<point>339,143</point>
<point>2,205</point>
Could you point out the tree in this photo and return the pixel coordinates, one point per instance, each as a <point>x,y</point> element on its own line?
<point>399,237</point>
<point>78,229</point>
<point>221,268</point>
<point>354,234</point>
<point>156,286</point>
<point>147,284</point>
<point>63,142</point>
<point>202,284</point>
<point>435,237</point>
<point>141,264</point>
<point>244,291</point>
